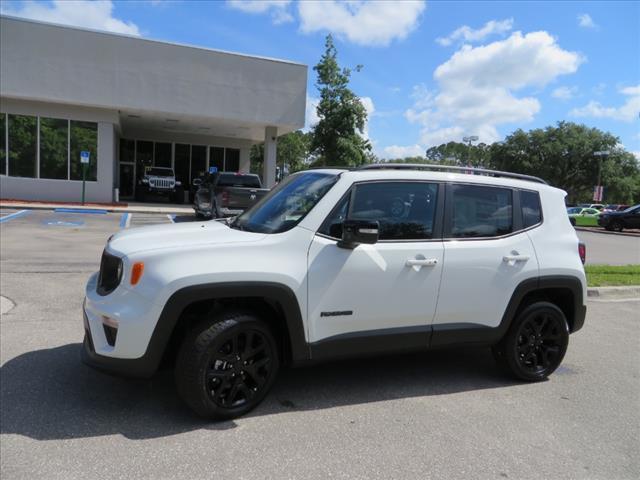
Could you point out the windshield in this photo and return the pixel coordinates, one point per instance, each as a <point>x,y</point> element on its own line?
<point>630,209</point>
<point>160,172</point>
<point>287,204</point>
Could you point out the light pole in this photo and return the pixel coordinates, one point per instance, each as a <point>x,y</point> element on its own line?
<point>468,140</point>
<point>599,191</point>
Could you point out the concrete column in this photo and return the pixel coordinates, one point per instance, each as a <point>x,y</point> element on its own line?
<point>270,151</point>
<point>245,159</point>
<point>102,190</point>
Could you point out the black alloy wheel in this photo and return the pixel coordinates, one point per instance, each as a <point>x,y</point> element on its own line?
<point>616,225</point>
<point>239,369</point>
<point>535,343</point>
<point>226,365</point>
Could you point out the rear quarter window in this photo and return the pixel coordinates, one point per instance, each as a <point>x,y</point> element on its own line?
<point>531,210</point>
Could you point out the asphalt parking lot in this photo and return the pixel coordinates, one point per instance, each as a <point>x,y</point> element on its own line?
<point>443,414</point>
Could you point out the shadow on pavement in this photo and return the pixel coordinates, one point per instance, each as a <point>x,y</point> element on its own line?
<point>49,394</point>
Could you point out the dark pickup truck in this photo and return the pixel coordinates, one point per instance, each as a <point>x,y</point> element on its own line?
<point>227,194</point>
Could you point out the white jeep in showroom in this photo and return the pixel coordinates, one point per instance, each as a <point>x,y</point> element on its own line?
<point>337,263</point>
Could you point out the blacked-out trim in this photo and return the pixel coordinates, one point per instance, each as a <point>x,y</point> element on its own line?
<point>371,342</point>
<point>147,365</point>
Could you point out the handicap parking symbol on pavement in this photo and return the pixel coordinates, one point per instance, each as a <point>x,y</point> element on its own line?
<point>62,223</point>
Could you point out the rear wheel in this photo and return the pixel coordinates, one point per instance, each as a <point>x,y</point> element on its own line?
<point>226,365</point>
<point>536,342</point>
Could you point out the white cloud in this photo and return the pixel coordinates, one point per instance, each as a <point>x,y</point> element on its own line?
<point>469,35</point>
<point>627,112</point>
<point>478,86</point>
<point>361,22</point>
<point>311,114</point>
<point>96,15</point>
<point>278,9</point>
<point>564,93</point>
<point>585,21</point>
<point>636,154</point>
<point>370,108</point>
<point>401,151</point>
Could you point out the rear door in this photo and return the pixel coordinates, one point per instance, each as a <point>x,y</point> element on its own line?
<point>487,254</point>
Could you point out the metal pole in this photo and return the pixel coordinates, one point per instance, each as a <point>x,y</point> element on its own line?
<point>84,176</point>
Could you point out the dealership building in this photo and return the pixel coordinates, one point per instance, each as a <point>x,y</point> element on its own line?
<point>132,103</point>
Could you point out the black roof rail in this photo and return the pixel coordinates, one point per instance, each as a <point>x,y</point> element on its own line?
<point>454,168</point>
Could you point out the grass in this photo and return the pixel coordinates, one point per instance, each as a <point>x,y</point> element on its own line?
<point>612,275</point>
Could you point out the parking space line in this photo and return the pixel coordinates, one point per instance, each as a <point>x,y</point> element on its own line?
<point>11,216</point>
<point>81,210</point>
<point>125,220</point>
<point>171,217</point>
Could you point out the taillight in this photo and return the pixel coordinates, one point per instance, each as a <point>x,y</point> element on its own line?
<point>225,199</point>
<point>582,251</point>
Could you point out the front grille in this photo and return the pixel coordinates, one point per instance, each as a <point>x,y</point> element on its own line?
<point>110,273</point>
<point>161,183</point>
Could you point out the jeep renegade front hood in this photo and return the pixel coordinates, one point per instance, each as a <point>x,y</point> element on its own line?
<point>178,235</point>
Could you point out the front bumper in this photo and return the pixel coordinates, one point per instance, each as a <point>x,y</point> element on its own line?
<point>134,368</point>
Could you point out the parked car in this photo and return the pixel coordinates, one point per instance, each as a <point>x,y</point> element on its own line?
<point>157,181</point>
<point>583,217</point>
<point>629,218</point>
<point>615,208</point>
<point>227,194</point>
<point>339,263</point>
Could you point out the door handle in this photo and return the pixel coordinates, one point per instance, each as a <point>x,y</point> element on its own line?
<point>515,258</point>
<point>421,262</point>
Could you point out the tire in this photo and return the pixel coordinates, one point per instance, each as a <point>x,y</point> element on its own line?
<point>217,374</point>
<point>535,343</point>
<point>573,221</point>
<point>616,225</point>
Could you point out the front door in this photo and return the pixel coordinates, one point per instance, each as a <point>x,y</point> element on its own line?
<point>390,287</point>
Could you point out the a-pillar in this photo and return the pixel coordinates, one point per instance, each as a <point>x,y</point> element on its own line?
<point>270,151</point>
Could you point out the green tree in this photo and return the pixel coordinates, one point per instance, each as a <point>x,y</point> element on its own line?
<point>337,137</point>
<point>460,154</point>
<point>564,156</point>
<point>292,153</point>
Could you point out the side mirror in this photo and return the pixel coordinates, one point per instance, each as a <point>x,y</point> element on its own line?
<point>355,232</point>
<point>197,182</point>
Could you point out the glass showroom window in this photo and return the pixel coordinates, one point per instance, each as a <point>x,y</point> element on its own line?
<point>22,145</point>
<point>162,155</point>
<point>84,137</point>
<point>3,144</point>
<point>54,148</point>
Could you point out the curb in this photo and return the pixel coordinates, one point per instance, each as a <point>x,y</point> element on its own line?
<point>91,209</point>
<point>606,232</point>
<point>630,291</point>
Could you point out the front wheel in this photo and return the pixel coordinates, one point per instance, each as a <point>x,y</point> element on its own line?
<point>226,365</point>
<point>616,225</point>
<point>536,342</point>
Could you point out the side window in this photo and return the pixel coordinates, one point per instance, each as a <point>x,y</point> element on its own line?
<point>480,211</point>
<point>404,210</point>
<point>531,211</point>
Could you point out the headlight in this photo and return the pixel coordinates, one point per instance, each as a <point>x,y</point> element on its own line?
<point>145,180</point>
<point>205,204</point>
<point>110,273</point>
<point>178,183</point>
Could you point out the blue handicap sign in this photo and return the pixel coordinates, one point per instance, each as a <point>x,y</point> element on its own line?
<point>84,156</point>
<point>213,169</point>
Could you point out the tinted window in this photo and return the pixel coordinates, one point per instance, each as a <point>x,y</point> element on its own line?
<point>183,156</point>
<point>198,161</point>
<point>404,210</point>
<point>22,146</point>
<point>531,212</point>
<point>249,181</point>
<point>232,160</point>
<point>84,137</point>
<point>162,155</point>
<point>216,158</point>
<point>3,147</point>
<point>332,226</point>
<point>54,148</point>
<point>481,211</point>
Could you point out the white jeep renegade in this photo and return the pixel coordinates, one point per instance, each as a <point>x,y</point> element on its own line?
<point>338,263</point>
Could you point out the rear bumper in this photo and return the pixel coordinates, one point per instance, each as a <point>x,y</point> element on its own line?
<point>578,318</point>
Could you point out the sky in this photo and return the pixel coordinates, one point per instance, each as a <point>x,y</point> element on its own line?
<point>432,71</point>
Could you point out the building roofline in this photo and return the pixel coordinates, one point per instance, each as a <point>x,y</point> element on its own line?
<point>150,40</point>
